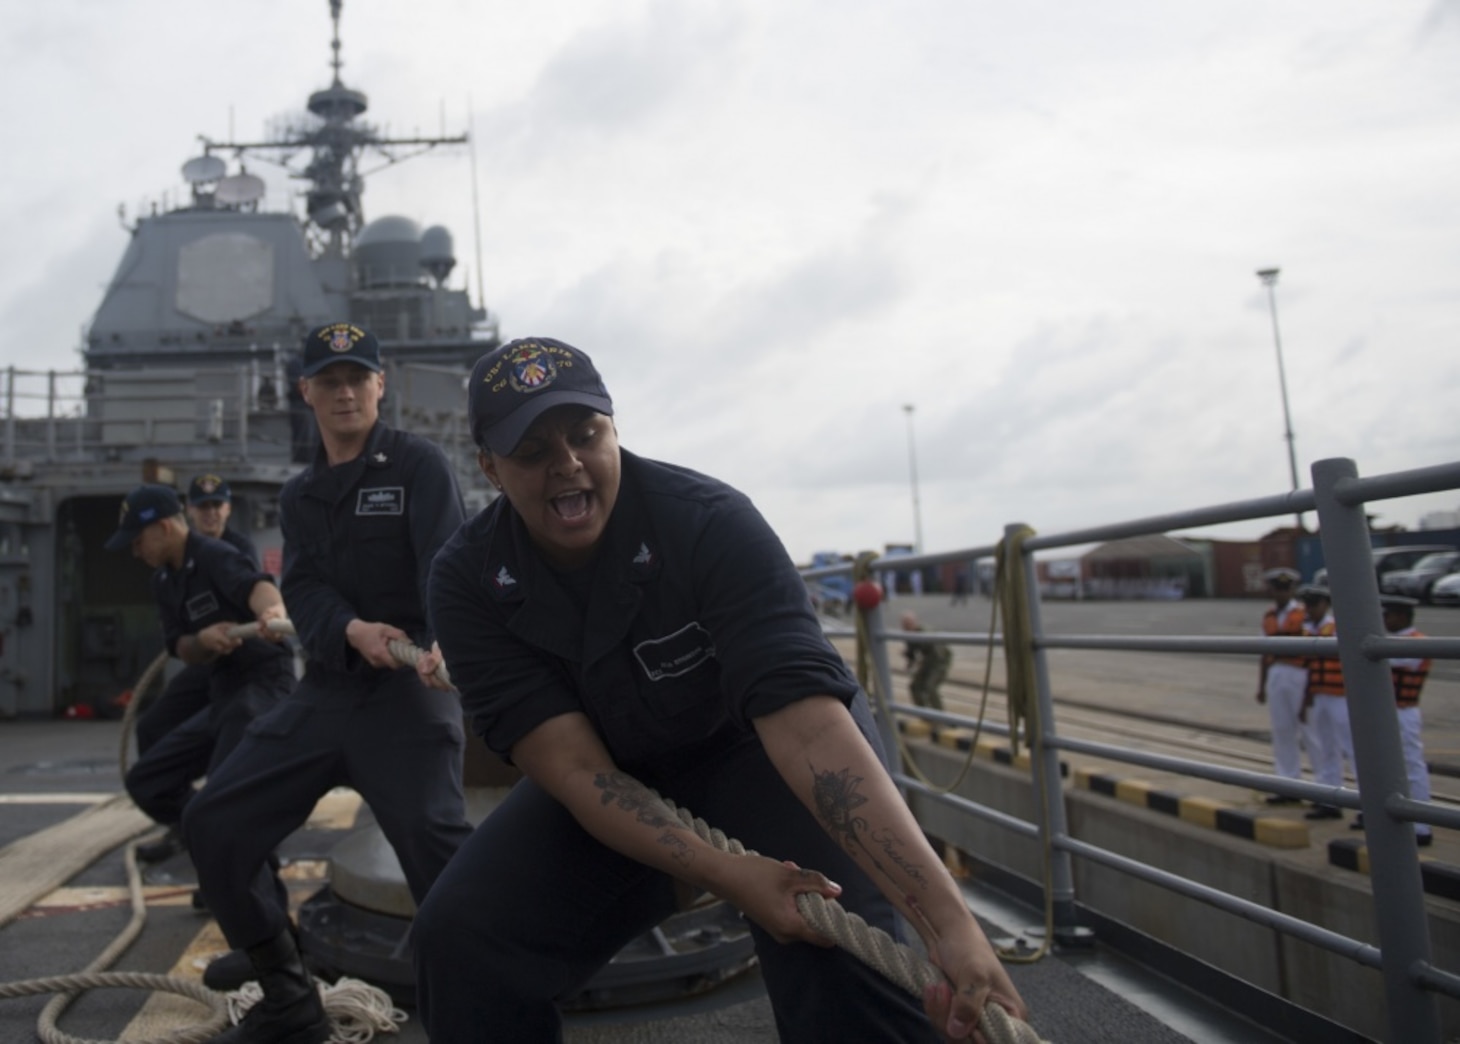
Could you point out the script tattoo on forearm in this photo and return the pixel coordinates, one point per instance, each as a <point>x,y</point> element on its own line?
<point>887,841</point>
<point>627,793</point>
<point>837,799</point>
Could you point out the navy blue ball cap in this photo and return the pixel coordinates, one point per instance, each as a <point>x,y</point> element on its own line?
<point>209,489</point>
<point>339,342</point>
<point>515,384</point>
<point>142,507</point>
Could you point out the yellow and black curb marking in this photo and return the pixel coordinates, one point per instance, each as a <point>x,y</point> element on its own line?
<point>960,738</point>
<point>1439,879</point>
<point>1203,811</point>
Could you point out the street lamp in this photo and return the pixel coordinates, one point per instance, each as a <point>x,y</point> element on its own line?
<point>912,466</point>
<point>1269,277</point>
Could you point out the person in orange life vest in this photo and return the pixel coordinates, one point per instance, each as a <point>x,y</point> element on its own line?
<point>1409,678</point>
<point>1283,682</point>
<point>1325,705</point>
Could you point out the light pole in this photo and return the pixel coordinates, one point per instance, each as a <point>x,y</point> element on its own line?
<point>1269,277</point>
<point>912,466</point>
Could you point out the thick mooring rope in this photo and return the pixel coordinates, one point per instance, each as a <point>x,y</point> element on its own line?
<point>898,963</point>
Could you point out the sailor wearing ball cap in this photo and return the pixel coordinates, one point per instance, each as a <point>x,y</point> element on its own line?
<point>210,506</point>
<point>361,524</point>
<point>623,629</point>
<point>204,588</point>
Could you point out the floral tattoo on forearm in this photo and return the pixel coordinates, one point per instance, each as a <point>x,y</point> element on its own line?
<point>837,799</point>
<point>628,794</point>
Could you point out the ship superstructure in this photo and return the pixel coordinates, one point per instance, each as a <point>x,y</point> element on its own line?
<point>189,366</point>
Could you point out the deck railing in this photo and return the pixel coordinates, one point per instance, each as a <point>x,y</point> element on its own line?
<point>1339,495</point>
<point>243,410</point>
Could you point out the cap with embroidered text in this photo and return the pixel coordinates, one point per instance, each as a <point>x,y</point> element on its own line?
<point>339,342</point>
<point>208,489</point>
<point>142,507</point>
<point>515,384</point>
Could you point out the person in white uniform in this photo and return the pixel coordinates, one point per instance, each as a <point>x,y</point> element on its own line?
<point>1284,681</point>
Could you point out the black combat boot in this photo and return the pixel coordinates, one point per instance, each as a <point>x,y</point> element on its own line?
<point>290,1011</point>
<point>163,849</point>
<point>229,971</point>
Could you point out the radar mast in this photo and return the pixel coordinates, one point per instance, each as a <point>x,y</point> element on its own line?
<point>335,139</point>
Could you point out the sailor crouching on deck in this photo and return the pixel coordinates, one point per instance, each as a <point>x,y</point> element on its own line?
<point>615,624</point>
<point>208,506</point>
<point>204,588</point>
<point>361,524</point>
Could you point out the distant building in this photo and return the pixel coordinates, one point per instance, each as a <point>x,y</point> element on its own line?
<point>1440,520</point>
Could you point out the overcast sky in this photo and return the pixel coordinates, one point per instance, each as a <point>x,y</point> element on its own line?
<point>776,223</point>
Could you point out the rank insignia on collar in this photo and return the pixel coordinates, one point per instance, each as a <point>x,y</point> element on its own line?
<point>504,579</point>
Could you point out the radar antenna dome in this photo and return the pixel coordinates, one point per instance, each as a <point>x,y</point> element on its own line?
<point>239,189</point>
<point>438,255</point>
<point>203,168</point>
<point>388,252</point>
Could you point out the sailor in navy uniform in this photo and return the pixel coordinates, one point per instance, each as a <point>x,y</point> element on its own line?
<point>615,624</point>
<point>209,505</point>
<point>361,524</point>
<point>203,588</point>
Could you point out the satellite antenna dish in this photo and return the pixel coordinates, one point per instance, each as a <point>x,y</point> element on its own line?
<point>203,168</point>
<point>238,189</point>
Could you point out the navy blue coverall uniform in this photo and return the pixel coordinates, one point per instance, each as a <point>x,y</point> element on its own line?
<point>187,692</point>
<point>358,542</point>
<point>213,585</point>
<point>692,622</point>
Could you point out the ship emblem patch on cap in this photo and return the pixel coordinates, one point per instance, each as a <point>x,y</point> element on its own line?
<point>209,484</point>
<point>533,369</point>
<point>341,339</point>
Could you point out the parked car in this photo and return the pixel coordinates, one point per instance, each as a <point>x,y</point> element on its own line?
<point>1416,581</point>
<point>1389,559</point>
<point>1446,590</point>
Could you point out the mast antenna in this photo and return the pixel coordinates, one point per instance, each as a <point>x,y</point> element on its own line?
<point>335,62</point>
<point>476,210</point>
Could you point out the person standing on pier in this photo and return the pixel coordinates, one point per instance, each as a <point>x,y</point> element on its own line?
<point>361,524</point>
<point>927,664</point>
<point>1409,679</point>
<point>620,629</point>
<point>1283,683</point>
<point>1325,705</point>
